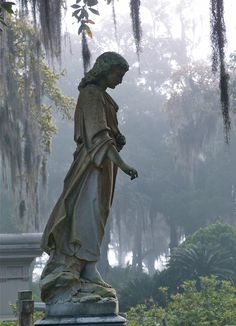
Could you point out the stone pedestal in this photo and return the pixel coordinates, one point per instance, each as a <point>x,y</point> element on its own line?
<point>17,252</point>
<point>72,300</point>
<point>111,320</point>
<point>87,313</point>
<point>82,309</point>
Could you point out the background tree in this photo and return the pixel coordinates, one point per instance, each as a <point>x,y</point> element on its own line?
<point>28,94</point>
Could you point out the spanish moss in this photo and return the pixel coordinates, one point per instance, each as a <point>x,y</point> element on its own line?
<point>50,20</point>
<point>20,136</point>
<point>218,40</point>
<point>136,23</point>
<point>49,12</point>
<point>114,20</point>
<point>86,55</point>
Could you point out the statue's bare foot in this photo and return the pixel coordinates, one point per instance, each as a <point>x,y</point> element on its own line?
<point>91,274</point>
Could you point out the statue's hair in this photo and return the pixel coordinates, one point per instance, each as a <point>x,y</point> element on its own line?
<point>102,66</point>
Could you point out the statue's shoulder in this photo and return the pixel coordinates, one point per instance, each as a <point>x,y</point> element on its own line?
<point>90,95</point>
<point>91,90</point>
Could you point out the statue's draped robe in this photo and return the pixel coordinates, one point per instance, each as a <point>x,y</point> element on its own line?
<point>76,225</point>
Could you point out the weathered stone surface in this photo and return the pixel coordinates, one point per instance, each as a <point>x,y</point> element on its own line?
<point>101,308</point>
<point>88,321</point>
<point>17,251</point>
<point>25,308</point>
<point>71,288</point>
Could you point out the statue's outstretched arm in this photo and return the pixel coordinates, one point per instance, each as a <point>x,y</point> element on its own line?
<point>114,156</point>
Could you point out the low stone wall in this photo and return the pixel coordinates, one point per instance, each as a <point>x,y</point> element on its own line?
<point>17,252</point>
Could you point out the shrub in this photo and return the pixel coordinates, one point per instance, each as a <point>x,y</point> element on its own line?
<point>213,305</point>
<point>209,251</point>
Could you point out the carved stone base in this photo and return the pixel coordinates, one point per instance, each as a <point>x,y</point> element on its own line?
<point>112,320</point>
<point>71,300</point>
<point>17,251</point>
<point>82,309</point>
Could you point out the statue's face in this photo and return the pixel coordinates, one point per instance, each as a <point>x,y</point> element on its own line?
<point>115,76</point>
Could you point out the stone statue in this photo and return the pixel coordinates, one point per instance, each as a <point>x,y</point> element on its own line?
<point>75,229</point>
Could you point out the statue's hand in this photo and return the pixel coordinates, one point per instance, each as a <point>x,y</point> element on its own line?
<point>114,156</point>
<point>130,171</point>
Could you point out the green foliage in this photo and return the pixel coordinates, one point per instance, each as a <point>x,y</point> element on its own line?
<point>138,290</point>
<point>29,95</point>
<point>209,251</point>
<point>200,260</point>
<point>146,316</point>
<point>7,7</point>
<point>213,305</point>
<point>81,13</point>
<point>218,235</point>
<point>7,323</point>
<point>37,315</point>
<point>24,37</point>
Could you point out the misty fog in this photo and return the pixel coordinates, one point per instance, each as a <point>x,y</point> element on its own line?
<point>170,114</point>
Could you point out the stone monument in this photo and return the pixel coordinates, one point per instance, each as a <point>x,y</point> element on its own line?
<point>71,286</point>
<point>17,252</point>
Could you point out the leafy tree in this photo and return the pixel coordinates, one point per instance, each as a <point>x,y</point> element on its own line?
<point>146,316</point>
<point>214,304</point>
<point>215,235</point>
<point>199,260</point>
<point>209,251</point>
<point>28,96</point>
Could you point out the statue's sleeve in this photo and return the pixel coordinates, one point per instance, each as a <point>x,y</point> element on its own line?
<point>93,124</point>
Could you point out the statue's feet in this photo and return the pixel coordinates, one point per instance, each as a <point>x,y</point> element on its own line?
<point>91,274</point>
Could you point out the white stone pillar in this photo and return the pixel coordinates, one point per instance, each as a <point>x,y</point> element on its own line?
<point>17,252</point>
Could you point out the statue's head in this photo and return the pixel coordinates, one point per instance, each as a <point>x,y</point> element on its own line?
<point>109,65</point>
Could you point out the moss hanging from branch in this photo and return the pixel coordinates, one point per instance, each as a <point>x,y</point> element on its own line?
<point>20,136</point>
<point>218,40</point>
<point>85,52</point>
<point>50,21</point>
<point>82,13</point>
<point>49,13</point>
<point>25,123</point>
<point>114,20</point>
<point>136,23</point>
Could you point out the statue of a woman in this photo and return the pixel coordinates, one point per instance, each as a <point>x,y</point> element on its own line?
<point>75,229</point>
